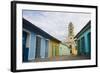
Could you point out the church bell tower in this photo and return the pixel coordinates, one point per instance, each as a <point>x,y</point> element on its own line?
<point>70,40</point>
<point>71,30</point>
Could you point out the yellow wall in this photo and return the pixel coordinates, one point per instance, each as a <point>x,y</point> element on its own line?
<point>74,51</point>
<point>53,48</point>
<point>50,48</point>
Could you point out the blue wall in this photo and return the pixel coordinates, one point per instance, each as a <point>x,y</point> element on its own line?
<point>32,48</point>
<point>86,49</point>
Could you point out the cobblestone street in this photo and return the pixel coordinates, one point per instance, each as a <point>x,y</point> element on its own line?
<point>61,58</point>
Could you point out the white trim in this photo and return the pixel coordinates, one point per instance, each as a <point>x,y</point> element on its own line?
<point>47,39</point>
<point>28,38</point>
<point>26,30</point>
<point>39,36</point>
<point>30,65</point>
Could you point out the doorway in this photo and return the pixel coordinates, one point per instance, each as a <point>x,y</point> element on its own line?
<point>38,47</point>
<point>25,49</point>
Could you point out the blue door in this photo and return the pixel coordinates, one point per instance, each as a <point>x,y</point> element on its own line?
<point>83,46</point>
<point>25,49</point>
<point>89,44</point>
<point>38,47</point>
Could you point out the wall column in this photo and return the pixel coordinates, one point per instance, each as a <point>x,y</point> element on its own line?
<point>86,43</point>
<point>42,50</point>
<point>32,46</point>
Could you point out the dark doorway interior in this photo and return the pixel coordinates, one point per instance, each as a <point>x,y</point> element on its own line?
<point>25,49</point>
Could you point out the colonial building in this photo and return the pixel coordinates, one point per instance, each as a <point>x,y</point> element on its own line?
<point>84,40</point>
<point>53,48</point>
<point>70,41</point>
<point>64,50</point>
<point>37,43</point>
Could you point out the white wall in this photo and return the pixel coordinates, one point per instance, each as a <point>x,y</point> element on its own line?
<point>5,36</point>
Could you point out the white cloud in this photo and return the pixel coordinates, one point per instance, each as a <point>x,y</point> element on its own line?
<point>56,23</point>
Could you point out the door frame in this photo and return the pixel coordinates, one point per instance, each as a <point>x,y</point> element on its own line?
<point>40,46</point>
<point>28,39</point>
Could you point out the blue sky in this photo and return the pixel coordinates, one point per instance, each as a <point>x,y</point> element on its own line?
<point>56,23</point>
